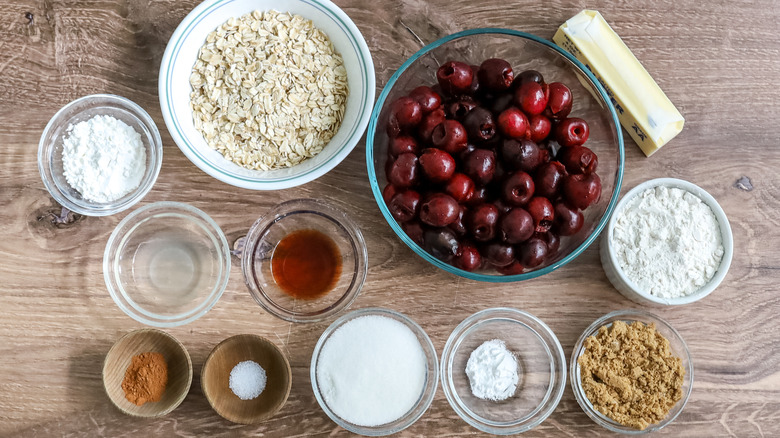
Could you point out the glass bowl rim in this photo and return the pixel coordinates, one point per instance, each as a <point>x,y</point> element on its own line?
<point>90,208</point>
<point>332,213</point>
<point>515,316</point>
<point>586,405</point>
<point>372,177</point>
<point>220,283</point>
<point>432,361</point>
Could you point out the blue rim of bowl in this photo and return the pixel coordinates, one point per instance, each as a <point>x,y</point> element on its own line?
<point>372,177</point>
<point>425,399</point>
<point>133,309</point>
<point>574,370</point>
<point>97,210</point>
<point>554,350</point>
<point>183,31</point>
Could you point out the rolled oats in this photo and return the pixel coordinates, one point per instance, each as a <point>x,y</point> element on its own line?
<point>268,90</point>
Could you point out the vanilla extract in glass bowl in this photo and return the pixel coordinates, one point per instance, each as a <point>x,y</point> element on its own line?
<point>304,261</point>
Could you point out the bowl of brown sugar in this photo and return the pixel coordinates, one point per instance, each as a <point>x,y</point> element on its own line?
<point>147,373</point>
<point>631,372</point>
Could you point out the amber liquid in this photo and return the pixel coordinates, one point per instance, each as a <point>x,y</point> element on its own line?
<point>306,264</point>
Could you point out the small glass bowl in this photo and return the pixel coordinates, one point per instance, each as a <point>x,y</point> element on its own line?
<point>678,348</point>
<point>82,109</point>
<point>541,367</point>
<point>429,388</point>
<point>524,51</point>
<point>304,214</point>
<point>166,264</point>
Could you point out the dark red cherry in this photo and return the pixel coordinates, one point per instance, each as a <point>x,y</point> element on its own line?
<point>468,258</point>
<point>388,192</point>
<point>572,132</point>
<point>518,188</point>
<point>499,254</point>
<point>480,166</point>
<point>514,268</point>
<point>459,109</point>
<point>500,102</point>
<point>405,205</point>
<point>454,77</point>
<point>475,87</point>
<point>516,226</point>
<point>450,136</point>
<point>479,124</point>
<point>527,76</point>
<point>441,243</point>
<point>428,99</point>
<point>580,191</point>
<point>532,253</point>
<point>579,159</point>
<point>460,187</point>
<point>532,98</point>
<point>406,111</point>
<point>439,210</point>
<point>521,154</point>
<point>560,101</point>
<point>429,122</point>
<point>541,210</point>
<point>539,127</point>
<point>479,196</point>
<point>414,230</point>
<point>481,222</point>
<point>553,243</point>
<point>437,165</point>
<point>404,171</point>
<point>495,75</point>
<point>568,221</point>
<point>548,178</point>
<point>513,123</point>
<point>403,144</point>
<point>458,225</point>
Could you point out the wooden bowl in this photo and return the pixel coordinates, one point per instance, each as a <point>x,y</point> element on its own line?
<point>140,341</point>
<point>215,379</point>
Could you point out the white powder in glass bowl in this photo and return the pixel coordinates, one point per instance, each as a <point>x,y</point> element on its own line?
<point>103,158</point>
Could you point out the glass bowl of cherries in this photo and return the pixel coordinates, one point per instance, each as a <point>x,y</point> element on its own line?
<point>495,155</point>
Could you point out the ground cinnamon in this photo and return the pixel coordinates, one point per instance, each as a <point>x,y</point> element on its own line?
<point>145,378</point>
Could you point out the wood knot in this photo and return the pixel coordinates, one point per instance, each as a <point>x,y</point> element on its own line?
<point>62,218</point>
<point>744,183</point>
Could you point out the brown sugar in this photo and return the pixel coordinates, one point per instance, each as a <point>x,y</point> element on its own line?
<point>145,378</point>
<point>630,374</point>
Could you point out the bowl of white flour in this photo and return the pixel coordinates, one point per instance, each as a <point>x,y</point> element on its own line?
<point>99,155</point>
<point>668,242</point>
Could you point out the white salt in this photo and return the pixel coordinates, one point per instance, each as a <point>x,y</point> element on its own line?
<point>247,380</point>
<point>371,371</point>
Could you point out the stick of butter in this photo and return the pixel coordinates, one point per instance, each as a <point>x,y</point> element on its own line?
<point>642,107</point>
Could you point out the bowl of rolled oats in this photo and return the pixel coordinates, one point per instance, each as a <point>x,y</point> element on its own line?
<point>266,95</point>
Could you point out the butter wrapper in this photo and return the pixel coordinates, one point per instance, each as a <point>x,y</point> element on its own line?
<point>642,107</point>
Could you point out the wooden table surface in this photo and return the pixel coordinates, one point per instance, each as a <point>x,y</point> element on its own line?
<point>719,62</point>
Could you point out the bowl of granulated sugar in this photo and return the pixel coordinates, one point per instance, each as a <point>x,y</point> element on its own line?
<point>669,242</point>
<point>99,155</point>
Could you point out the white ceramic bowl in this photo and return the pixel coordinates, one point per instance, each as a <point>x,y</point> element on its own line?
<point>630,289</point>
<point>174,89</point>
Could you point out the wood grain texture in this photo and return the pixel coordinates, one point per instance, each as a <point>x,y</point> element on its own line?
<point>718,61</point>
